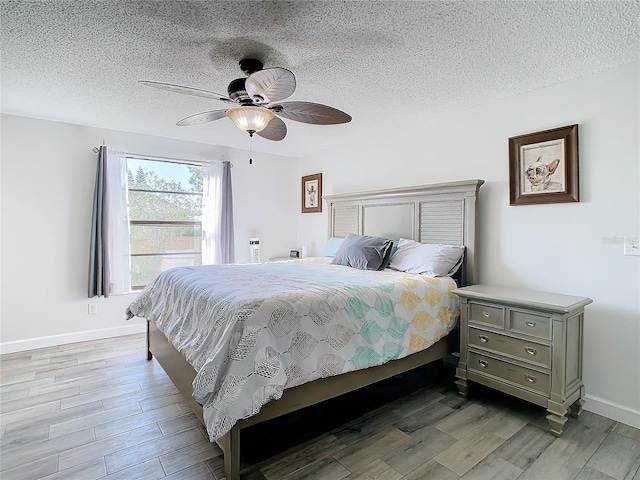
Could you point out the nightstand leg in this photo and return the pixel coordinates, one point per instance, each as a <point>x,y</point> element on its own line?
<point>576,408</point>
<point>556,423</point>
<point>463,387</point>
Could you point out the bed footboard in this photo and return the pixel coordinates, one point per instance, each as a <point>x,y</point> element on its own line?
<point>182,374</point>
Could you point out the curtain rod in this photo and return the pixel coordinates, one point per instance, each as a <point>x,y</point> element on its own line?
<point>162,159</point>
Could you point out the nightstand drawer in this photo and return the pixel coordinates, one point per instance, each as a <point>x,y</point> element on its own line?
<point>525,377</point>
<point>530,324</point>
<point>514,347</point>
<point>486,314</point>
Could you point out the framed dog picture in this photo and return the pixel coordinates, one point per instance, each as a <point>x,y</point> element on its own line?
<point>543,167</point>
<point>312,193</point>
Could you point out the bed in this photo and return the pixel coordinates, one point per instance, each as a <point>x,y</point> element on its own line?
<point>269,365</point>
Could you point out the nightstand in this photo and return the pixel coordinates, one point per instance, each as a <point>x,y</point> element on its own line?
<point>281,259</point>
<point>524,343</point>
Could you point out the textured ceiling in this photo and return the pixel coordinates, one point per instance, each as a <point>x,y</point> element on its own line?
<point>79,61</point>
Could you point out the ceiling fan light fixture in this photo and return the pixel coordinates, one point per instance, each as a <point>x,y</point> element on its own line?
<point>250,118</point>
<point>253,98</point>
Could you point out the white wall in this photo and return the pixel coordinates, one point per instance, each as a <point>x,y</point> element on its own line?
<point>567,248</point>
<point>48,171</point>
<point>48,174</point>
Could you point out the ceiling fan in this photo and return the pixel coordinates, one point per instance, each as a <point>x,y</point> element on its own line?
<point>256,102</point>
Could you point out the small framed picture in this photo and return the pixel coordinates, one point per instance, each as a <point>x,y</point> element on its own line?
<point>312,193</point>
<point>543,167</point>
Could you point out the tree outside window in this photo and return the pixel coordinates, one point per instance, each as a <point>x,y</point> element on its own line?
<point>165,211</point>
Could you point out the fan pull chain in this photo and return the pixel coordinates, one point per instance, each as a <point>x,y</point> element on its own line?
<point>250,148</point>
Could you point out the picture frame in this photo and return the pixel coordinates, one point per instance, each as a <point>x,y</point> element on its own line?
<point>312,193</point>
<point>543,167</point>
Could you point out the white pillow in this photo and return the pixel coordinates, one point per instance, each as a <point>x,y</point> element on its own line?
<point>436,260</point>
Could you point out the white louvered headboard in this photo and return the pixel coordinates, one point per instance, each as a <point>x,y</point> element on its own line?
<point>439,213</point>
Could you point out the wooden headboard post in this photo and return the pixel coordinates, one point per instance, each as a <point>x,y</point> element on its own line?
<point>438,213</point>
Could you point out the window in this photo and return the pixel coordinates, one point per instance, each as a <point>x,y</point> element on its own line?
<point>165,216</point>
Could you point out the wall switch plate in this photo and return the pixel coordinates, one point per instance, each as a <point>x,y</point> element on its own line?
<point>93,309</point>
<point>631,245</point>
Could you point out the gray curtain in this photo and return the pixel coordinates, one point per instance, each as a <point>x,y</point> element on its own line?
<point>98,254</point>
<point>227,245</point>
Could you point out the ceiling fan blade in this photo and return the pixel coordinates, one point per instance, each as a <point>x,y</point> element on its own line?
<point>202,118</point>
<point>314,113</point>
<point>270,85</point>
<point>186,90</point>
<point>276,130</point>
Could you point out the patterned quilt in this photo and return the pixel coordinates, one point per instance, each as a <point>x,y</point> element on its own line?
<point>250,331</point>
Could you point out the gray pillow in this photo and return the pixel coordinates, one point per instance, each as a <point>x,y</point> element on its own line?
<point>363,252</point>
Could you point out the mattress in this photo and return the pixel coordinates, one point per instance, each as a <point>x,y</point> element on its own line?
<point>250,331</point>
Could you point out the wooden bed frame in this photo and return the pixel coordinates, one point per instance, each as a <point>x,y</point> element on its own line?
<point>439,213</point>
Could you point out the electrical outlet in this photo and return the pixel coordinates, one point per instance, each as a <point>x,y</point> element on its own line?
<point>631,245</point>
<point>93,309</point>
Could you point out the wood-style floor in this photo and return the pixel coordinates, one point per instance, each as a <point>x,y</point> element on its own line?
<point>100,410</point>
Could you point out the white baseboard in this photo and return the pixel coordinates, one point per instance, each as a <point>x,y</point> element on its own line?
<point>55,340</point>
<point>612,410</point>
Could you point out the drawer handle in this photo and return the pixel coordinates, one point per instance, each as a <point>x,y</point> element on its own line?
<point>483,363</point>
<point>531,324</point>
<point>530,351</point>
<point>530,378</point>
<point>486,314</point>
<point>483,338</point>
